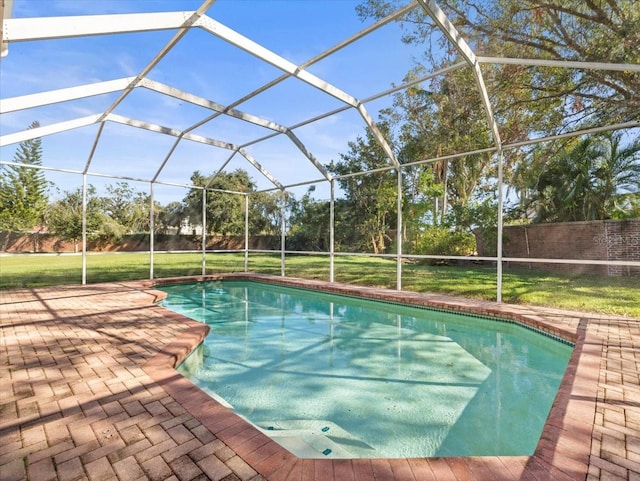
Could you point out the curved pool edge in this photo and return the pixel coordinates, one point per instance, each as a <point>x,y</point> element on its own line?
<point>563,450</point>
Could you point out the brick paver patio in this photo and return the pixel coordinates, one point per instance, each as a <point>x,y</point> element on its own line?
<point>88,392</point>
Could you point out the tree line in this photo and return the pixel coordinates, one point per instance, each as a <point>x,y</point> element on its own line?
<point>25,204</point>
<point>443,202</point>
<point>593,178</point>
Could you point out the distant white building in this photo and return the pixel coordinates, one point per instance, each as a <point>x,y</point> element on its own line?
<point>187,228</point>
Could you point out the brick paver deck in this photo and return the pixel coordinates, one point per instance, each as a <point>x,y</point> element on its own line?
<point>88,392</point>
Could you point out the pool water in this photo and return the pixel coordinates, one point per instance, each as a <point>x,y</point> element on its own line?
<point>336,376</point>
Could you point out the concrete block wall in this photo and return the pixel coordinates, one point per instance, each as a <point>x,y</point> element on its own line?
<point>593,240</point>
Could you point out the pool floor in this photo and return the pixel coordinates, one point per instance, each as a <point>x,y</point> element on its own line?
<point>341,377</point>
<point>89,392</point>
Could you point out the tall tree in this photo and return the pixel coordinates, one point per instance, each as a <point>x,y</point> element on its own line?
<point>170,216</point>
<point>127,207</point>
<point>23,187</point>
<point>528,101</point>
<point>591,31</point>
<point>265,211</point>
<point>225,210</point>
<point>441,118</point>
<point>372,198</point>
<point>309,224</point>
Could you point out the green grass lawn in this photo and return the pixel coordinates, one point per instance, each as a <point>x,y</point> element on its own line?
<point>610,295</point>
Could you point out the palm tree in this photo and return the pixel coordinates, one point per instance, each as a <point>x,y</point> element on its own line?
<point>588,180</point>
<point>616,173</point>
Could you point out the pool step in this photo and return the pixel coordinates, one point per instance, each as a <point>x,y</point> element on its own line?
<point>317,439</point>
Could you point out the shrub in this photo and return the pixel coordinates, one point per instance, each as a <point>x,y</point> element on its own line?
<point>437,240</point>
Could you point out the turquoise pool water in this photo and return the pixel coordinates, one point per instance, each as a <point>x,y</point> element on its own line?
<point>335,376</point>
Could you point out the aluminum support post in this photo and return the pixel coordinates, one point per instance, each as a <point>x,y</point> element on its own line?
<point>152,231</point>
<point>500,221</point>
<point>283,238</point>
<point>332,232</point>
<point>399,234</point>
<point>204,232</point>
<point>246,232</point>
<point>84,229</point>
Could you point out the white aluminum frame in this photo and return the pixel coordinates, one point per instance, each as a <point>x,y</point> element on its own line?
<point>29,29</point>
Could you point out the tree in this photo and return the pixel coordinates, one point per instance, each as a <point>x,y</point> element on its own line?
<point>127,207</point>
<point>590,31</point>
<point>170,216</point>
<point>527,101</point>
<point>225,210</point>
<point>23,188</point>
<point>265,211</point>
<point>441,118</point>
<point>371,198</point>
<point>309,224</point>
<point>64,217</point>
<point>617,174</point>
<point>590,178</point>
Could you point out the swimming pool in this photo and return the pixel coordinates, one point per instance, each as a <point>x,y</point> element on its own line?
<point>335,376</point>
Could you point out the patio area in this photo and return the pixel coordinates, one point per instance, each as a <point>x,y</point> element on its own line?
<point>89,393</point>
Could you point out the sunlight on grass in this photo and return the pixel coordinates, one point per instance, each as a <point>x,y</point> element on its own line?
<point>610,295</point>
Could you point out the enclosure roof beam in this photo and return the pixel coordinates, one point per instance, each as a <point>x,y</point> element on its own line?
<point>210,104</point>
<point>261,169</point>
<point>317,58</point>
<point>253,48</point>
<point>166,158</point>
<point>633,124</point>
<point>220,110</point>
<point>48,28</point>
<point>308,154</point>
<point>377,134</point>
<point>169,131</point>
<point>326,53</point>
<point>180,137</point>
<point>63,95</point>
<point>444,24</point>
<point>184,28</point>
<point>107,176</point>
<point>27,29</point>
<point>370,99</point>
<point>411,83</point>
<point>290,186</point>
<point>188,19</point>
<point>225,191</point>
<point>73,171</point>
<point>30,134</point>
<point>450,31</point>
<point>94,146</point>
<point>226,162</point>
<point>98,88</point>
<point>229,110</point>
<point>362,33</point>
<point>490,150</point>
<point>240,41</point>
<point>40,167</point>
<point>539,62</point>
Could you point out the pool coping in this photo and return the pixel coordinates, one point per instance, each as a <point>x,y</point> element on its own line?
<point>562,453</point>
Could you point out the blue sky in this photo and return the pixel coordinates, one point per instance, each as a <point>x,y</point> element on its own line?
<point>208,67</point>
